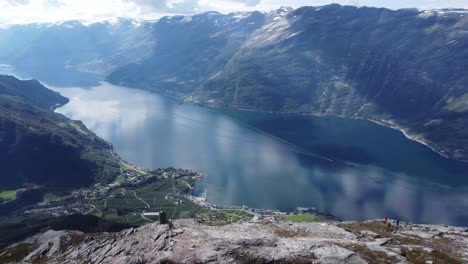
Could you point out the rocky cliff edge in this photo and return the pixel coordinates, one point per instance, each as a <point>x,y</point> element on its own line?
<point>189,241</point>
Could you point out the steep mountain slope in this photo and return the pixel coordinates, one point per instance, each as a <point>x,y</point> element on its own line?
<point>31,91</point>
<point>404,68</point>
<point>72,52</point>
<point>41,148</point>
<point>189,50</point>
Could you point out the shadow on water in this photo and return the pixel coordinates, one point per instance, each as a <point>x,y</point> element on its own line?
<point>357,142</point>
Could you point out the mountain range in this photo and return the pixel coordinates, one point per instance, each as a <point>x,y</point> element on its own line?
<point>402,68</point>
<point>72,53</point>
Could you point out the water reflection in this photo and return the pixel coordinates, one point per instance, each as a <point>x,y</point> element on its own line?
<point>245,166</point>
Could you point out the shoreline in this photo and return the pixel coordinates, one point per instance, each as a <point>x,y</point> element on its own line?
<point>385,123</point>
<point>183,99</point>
<point>390,124</point>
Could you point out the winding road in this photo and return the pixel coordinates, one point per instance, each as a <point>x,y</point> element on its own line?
<point>143,201</point>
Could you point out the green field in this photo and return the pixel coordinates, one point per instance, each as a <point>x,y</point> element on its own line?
<point>237,215</point>
<point>223,215</point>
<point>126,167</point>
<point>77,127</point>
<point>119,179</point>
<point>8,195</point>
<point>50,197</point>
<point>305,218</point>
<point>127,205</point>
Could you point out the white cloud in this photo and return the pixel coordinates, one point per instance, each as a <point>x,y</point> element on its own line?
<point>22,11</point>
<point>58,10</point>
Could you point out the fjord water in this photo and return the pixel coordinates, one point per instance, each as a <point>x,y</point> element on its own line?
<point>353,169</point>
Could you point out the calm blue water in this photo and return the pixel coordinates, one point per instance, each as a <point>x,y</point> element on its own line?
<point>353,169</point>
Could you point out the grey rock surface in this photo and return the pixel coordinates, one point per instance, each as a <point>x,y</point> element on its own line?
<point>189,241</point>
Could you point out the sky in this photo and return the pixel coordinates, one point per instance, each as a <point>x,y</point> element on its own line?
<point>27,11</point>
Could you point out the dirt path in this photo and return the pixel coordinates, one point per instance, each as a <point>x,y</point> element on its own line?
<point>143,201</point>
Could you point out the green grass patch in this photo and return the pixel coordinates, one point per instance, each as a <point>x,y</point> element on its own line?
<point>304,218</point>
<point>119,179</point>
<point>15,254</point>
<point>226,215</point>
<point>419,256</point>
<point>51,197</point>
<point>98,214</point>
<point>9,195</point>
<point>77,127</point>
<point>128,167</point>
<point>237,215</point>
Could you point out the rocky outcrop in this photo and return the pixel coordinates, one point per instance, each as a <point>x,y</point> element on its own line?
<point>188,241</point>
<point>50,243</point>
